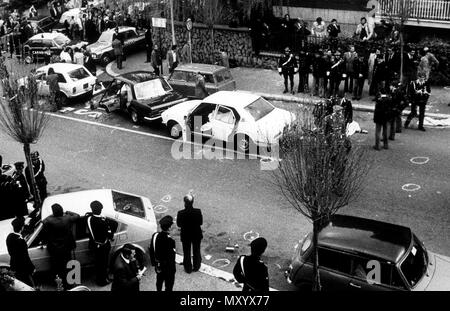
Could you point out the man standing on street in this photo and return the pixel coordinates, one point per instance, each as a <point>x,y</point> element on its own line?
<point>350,58</point>
<point>126,273</point>
<point>200,86</point>
<point>148,44</point>
<point>190,220</point>
<point>61,243</point>
<point>156,60</point>
<point>100,234</point>
<point>39,177</point>
<point>53,85</point>
<point>21,194</point>
<point>420,92</point>
<point>20,261</point>
<point>162,255</point>
<point>118,50</point>
<point>287,66</point>
<point>381,117</point>
<point>251,270</point>
<point>172,58</point>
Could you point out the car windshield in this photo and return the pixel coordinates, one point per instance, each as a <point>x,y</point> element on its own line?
<point>151,88</point>
<point>105,37</point>
<point>415,264</point>
<point>61,40</point>
<point>259,108</point>
<point>128,204</point>
<point>78,74</point>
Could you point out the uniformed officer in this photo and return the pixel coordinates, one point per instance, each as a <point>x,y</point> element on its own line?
<point>287,66</point>
<point>381,117</point>
<point>39,177</point>
<point>251,270</point>
<point>397,93</point>
<point>21,193</point>
<point>162,255</point>
<point>100,234</point>
<point>419,93</point>
<point>20,261</point>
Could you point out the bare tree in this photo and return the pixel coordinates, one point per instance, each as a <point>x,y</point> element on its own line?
<point>22,118</point>
<point>319,172</point>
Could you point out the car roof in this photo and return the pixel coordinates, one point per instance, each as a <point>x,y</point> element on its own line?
<point>136,76</point>
<point>366,236</point>
<point>234,99</point>
<point>61,67</point>
<point>197,67</point>
<point>46,35</point>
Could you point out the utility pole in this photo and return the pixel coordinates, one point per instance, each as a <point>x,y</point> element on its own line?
<point>171,22</point>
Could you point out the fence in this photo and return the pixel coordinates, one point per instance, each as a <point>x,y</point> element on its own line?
<point>419,9</point>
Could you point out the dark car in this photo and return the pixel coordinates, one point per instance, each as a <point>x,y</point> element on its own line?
<point>141,93</point>
<point>364,254</point>
<point>217,78</point>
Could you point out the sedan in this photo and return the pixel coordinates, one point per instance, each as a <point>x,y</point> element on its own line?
<point>131,217</point>
<point>243,119</point>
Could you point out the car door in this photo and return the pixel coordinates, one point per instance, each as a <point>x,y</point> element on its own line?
<point>223,123</point>
<point>41,80</point>
<point>37,249</point>
<point>130,38</point>
<point>191,79</point>
<point>178,81</point>
<point>199,117</point>
<point>334,267</point>
<point>210,83</point>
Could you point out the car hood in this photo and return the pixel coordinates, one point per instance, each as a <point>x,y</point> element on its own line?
<point>440,280</point>
<point>181,110</point>
<point>166,98</point>
<point>97,46</point>
<point>273,123</point>
<point>76,43</point>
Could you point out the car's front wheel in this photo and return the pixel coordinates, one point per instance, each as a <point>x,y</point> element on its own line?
<point>175,130</point>
<point>135,116</point>
<point>61,99</point>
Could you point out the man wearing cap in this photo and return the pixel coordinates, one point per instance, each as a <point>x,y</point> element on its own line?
<point>126,273</point>
<point>20,261</point>
<point>162,255</point>
<point>21,193</point>
<point>251,270</point>
<point>287,66</point>
<point>100,234</point>
<point>38,169</point>
<point>190,220</point>
<point>58,231</point>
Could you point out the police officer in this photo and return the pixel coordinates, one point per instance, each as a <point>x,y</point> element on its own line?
<point>397,93</point>
<point>287,66</point>
<point>21,193</point>
<point>420,92</point>
<point>381,117</point>
<point>100,234</point>
<point>251,270</point>
<point>162,255</point>
<point>20,261</point>
<point>38,169</point>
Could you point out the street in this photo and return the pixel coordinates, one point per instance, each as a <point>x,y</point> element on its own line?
<point>238,200</point>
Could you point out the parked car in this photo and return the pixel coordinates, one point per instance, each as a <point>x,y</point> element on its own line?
<point>347,247</point>
<point>131,217</point>
<point>74,80</point>
<point>242,118</point>
<point>46,44</point>
<point>102,50</point>
<point>140,93</point>
<point>217,78</point>
<point>42,23</point>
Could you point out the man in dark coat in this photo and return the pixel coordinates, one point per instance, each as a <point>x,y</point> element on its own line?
<point>190,220</point>
<point>419,91</point>
<point>393,63</point>
<point>20,193</point>
<point>162,255</point>
<point>61,243</point>
<point>20,261</point>
<point>319,73</point>
<point>399,103</point>
<point>117,45</point>
<point>347,109</point>
<point>148,44</point>
<point>336,74</point>
<point>156,60</point>
<point>126,273</point>
<point>304,64</point>
<point>53,85</point>
<point>39,177</point>
<point>360,71</point>
<point>333,29</point>
<point>379,76</point>
<point>287,66</point>
<point>100,234</point>
<point>251,270</point>
<point>381,117</point>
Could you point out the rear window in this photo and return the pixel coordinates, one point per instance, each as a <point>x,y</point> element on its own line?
<point>209,78</point>
<point>223,76</point>
<point>78,74</point>
<point>128,204</point>
<point>259,108</point>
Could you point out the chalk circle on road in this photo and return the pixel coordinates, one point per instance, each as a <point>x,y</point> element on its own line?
<point>160,209</point>
<point>221,263</point>
<point>420,160</point>
<point>166,198</point>
<point>251,235</point>
<point>410,187</point>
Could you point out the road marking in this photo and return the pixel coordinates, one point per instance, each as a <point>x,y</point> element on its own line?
<point>251,235</point>
<point>223,262</point>
<point>166,198</point>
<point>420,160</point>
<point>410,187</point>
<point>160,209</point>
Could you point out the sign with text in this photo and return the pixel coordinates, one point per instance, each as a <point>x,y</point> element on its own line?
<point>159,22</point>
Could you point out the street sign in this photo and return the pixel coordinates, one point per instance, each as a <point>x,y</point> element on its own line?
<point>189,24</point>
<point>159,22</point>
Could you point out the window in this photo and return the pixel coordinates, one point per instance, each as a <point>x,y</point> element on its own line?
<point>152,88</point>
<point>179,75</point>
<point>415,263</point>
<point>128,204</point>
<point>334,260</point>
<point>35,43</point>
<point>106,37</point>
<point>191,77</point>
<point>209,78</point>
<point>223,76</point>
<point>61,78</point>
<point>78,74</point>
<point>259,108</point>
<point>388,272</point>
<point>224,115</point>
<point>47,43</point>
<point>129,35</point>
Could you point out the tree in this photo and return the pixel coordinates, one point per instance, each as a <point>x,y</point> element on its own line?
<point>213,12</point>
<point>319,172</point>
<point>22,118</point>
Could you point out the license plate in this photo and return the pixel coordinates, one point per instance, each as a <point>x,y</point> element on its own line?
<point>86,86</point>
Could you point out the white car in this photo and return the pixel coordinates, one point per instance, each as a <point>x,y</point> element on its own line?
<point>130,216</point>
<point>74,80</point>
<point>242,118</point>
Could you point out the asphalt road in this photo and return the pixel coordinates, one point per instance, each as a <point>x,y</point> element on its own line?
<point>235,195</point>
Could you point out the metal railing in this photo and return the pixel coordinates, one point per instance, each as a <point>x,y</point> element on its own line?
<point>438,10</point>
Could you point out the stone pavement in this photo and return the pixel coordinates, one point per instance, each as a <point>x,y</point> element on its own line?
<point>270,85</point>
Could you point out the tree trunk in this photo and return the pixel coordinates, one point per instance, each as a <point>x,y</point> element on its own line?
<point>316,276</point>
<point>401,54</point>
<point>34,188</point>
<point>212,45</point>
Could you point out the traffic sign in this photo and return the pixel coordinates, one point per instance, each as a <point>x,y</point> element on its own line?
<point>159,22</point>
<point>189,24</point>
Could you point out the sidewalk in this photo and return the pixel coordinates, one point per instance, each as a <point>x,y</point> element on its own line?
<point>269,84</point>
